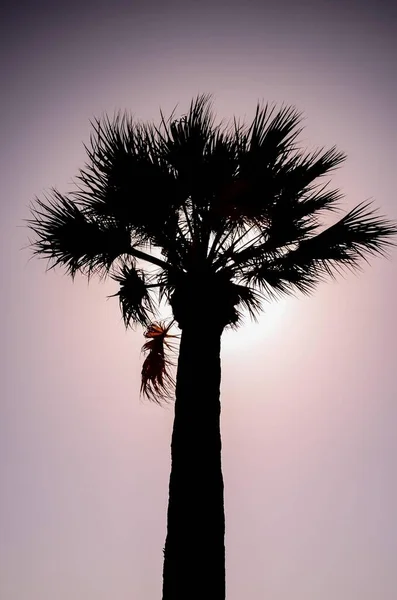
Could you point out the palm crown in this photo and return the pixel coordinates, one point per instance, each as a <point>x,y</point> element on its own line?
<point>212,218</point>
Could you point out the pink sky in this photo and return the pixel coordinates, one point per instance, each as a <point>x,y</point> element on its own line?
<point>309,396</point>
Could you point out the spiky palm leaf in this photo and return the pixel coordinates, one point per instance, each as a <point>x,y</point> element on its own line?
<point>69,236</point>
<point>235,212</point>
<point>359,234</point>
<point>136,302</point>
<point>128,180</point>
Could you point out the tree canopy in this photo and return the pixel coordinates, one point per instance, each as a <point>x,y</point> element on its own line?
<point>213,218</point>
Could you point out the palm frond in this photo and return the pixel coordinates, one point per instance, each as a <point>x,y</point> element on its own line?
<point>134,296</point>
<point>358,235</point>
<point>274,181</point>
<point>247,299</point>
<point>288,220</point>
<point>301,169</point>
<point>127,178</point>
<point>66,235</point>
<point>196,150</point>
<point>316,200</point>
<point>272,132</point>
<point>158,383</point>
<point>249,192</point>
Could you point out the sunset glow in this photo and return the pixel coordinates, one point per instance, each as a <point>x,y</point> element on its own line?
<point>309,394</point>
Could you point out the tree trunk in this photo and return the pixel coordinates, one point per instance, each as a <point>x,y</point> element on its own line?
<point>194,555</point>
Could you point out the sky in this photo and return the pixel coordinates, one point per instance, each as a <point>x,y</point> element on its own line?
<point>309,395</point>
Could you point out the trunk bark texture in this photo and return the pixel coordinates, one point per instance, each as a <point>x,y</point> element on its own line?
<point>194,555</point>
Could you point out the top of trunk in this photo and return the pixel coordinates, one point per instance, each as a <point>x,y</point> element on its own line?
<point>204,300</point>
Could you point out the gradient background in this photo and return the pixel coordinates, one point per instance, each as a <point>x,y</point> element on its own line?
<point>309,396</point>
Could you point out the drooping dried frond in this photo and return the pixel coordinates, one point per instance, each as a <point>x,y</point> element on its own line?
<point>157,382</point>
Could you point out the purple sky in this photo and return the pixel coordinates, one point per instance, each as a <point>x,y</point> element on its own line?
<point>309,395</point>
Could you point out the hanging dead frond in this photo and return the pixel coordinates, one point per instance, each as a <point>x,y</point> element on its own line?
<point>157,382</point>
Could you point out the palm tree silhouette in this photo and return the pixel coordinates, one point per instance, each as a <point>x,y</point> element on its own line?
<point>212,219</point>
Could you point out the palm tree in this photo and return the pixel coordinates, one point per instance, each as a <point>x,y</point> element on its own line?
<point>212,219</point>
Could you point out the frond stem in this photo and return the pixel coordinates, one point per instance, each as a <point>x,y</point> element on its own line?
<point>216,241</point>
<point>188,221</point>
<point>231,248</point>
<point>151,259</point>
